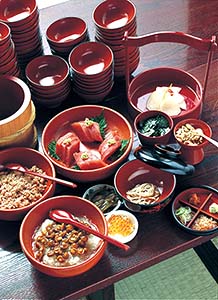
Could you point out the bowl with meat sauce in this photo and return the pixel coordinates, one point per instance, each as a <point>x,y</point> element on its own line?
<point>195,210</point>
<point>87,143</point>
<point>189,134</point>
<point>143,188</point>
<point>19,192</point>
<point>59,249</point>
<point>153,127</point>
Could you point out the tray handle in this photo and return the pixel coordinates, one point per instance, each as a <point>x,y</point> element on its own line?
<point>208,45</point>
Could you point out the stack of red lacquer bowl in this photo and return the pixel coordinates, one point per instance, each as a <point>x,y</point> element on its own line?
<point>22,17</point>
<point>8,58</point>
<point>112,19</point>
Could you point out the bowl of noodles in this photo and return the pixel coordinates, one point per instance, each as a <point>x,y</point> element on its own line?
<point>144,188</point>
<point>170,90</point>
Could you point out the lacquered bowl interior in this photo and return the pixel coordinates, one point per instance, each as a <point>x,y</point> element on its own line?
<point>137,172</point>
<point>90,58</point>
<point>5,32</point>
<point>14,11</point>
<point>66,30</point>
<point>113,14</point>
<point>78,207</point>
<point>145,83</point>
<point>47,70</point>
<point>27,157</point>
<point>60,125</point>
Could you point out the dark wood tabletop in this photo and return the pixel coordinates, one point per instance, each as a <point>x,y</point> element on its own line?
<point>158,237</point>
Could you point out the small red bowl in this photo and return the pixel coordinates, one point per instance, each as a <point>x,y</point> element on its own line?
<point>114,14</point>
<point>46,71</point>
<point>27,157</point>
<point>18,12</point>
<point>193,154</point>
<point>90,58</point>
<point>137,172</point>
<point>66,32</point>
<point>151,140</point>
<point>79,207</point>
<point>145,83</point>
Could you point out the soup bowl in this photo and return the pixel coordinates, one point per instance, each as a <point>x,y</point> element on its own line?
<point>79,207</point>
<point>158,194</point>
<point>143,85</point>
<point>61,124</point>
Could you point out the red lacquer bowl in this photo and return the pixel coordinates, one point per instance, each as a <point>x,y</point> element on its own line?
<point>114,14</point>
<point>27,157</point>
<point>79,207</point>
<point>193,154</point>
<point>145,83</point>
<point>137,172</point>
<point>60,124</point>
<point>66,32</point>
<point>91,58</point>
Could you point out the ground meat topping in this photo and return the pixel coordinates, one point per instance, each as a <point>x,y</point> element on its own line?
<point>19,190</point>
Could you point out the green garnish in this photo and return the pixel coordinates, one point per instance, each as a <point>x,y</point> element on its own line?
<point>102,123</point>
<point>120,151</point>
<point>154,126</point>
<point>52,150</point>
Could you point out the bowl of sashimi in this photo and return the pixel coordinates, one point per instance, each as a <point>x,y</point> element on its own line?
<point>170,90</point>
<point>87,143</point>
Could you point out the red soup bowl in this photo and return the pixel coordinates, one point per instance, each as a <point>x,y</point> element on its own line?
<point>114,14</point>
<point>90,163</point>
<point>91,59</point>
<point>153,188</point>
<point>47,72</point>
<point>75,263</point>
<point>153,127</point>
<point>66,32</point>
<point>192,145</point>
<point>16,13</point>
<point>144,84</point>
<point>5,32</point>
<point>22,188</point>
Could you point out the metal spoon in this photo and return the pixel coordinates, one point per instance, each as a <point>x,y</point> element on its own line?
<point>66,217</point>
<point>20,168</point>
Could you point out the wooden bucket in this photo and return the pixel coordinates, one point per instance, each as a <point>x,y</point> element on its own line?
<point>17,114</point>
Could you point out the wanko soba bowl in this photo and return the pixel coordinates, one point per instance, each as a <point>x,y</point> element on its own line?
<point>145,83</point>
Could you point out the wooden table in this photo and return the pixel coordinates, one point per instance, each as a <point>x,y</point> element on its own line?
<point>158,238</point>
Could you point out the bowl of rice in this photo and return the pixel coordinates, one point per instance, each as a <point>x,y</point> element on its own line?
<point>195,210</point>
<point>59,249</point>
<point>19,192</point>
<point>143,188</point>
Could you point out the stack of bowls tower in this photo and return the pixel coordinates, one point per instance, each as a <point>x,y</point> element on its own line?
<point>112,18</point>
<point>22,16</point>
<point>8,58</point>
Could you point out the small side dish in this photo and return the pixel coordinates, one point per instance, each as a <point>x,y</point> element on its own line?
<point>154,126</point>
<point>195,211</point>
<point>189,135</point>
<point>122,225</point>
<point>104,196</point>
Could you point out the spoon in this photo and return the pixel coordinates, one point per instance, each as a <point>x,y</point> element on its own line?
<point>212,141</point>
<point>20,168</point>
<point>62,216</point>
